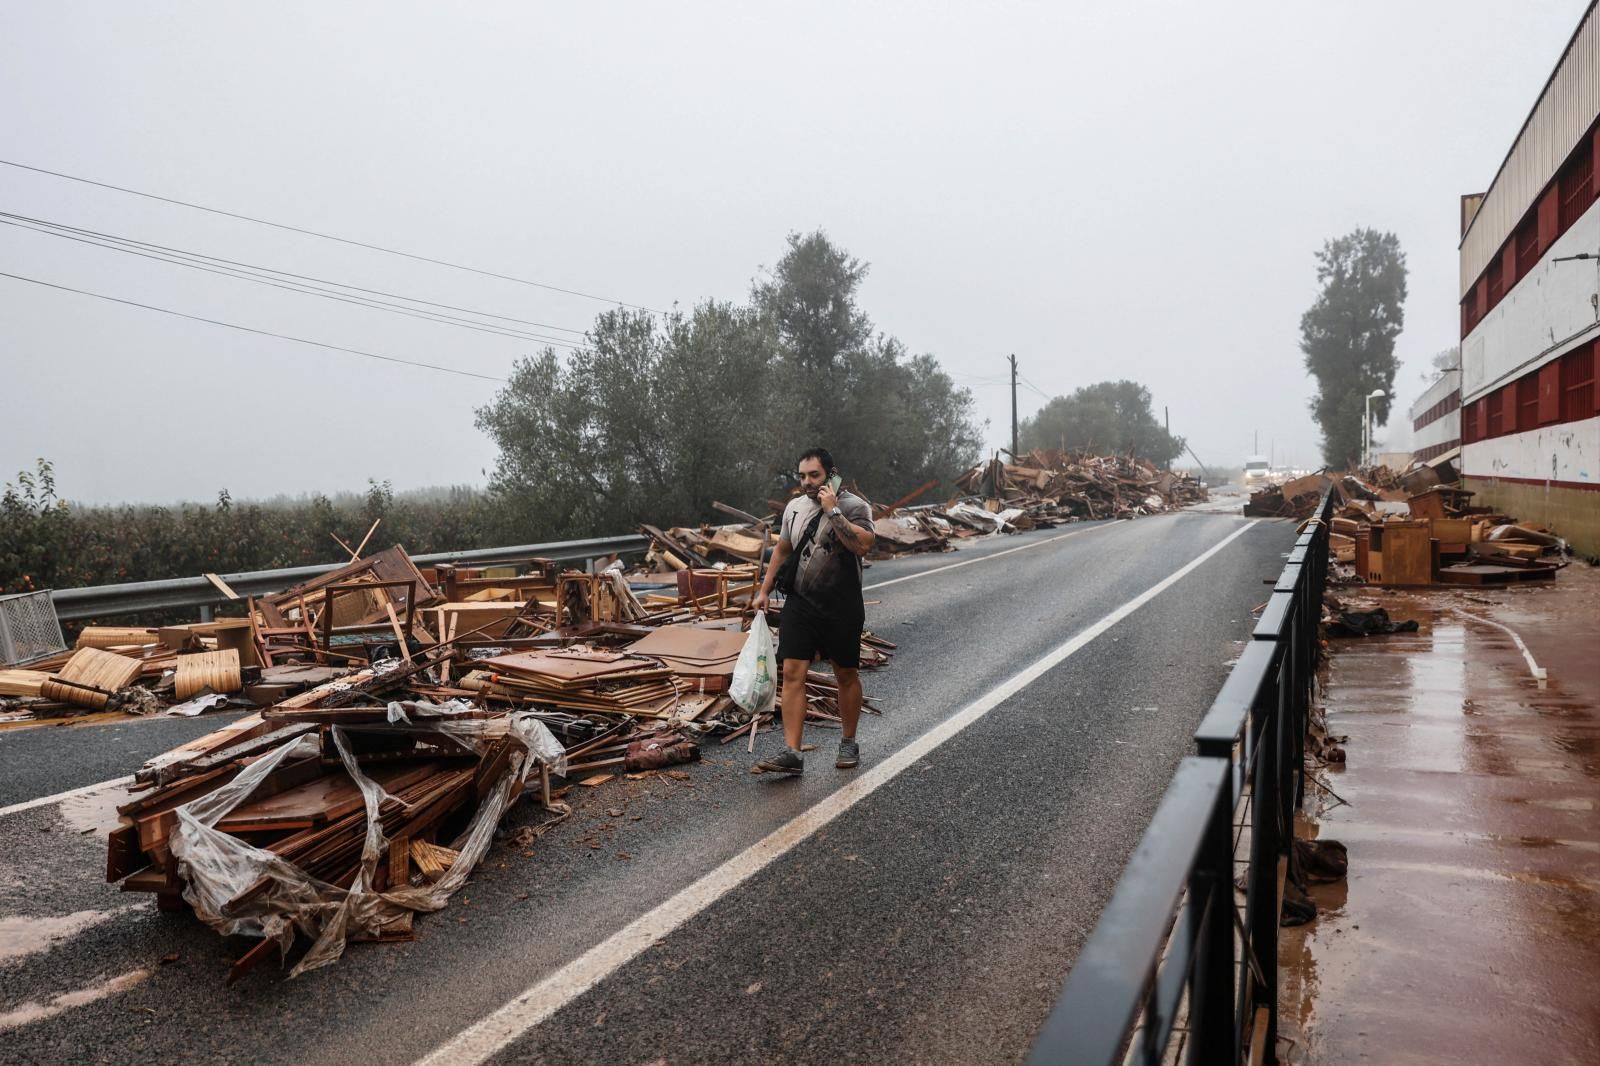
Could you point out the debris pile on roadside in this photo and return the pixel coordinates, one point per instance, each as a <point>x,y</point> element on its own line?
<point>1048,486</point>
<point>402,712</point>
<point>336,815</point>
<point>1410,530</point>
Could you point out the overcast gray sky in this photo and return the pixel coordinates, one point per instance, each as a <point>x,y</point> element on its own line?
<point>1116,190</point>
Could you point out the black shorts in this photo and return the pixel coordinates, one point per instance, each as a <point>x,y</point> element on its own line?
<point>806,633</point>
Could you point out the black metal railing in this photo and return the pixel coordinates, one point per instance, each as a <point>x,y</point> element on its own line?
<point>1167,939</point>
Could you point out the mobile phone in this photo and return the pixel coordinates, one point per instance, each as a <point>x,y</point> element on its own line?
<point>834,482</point>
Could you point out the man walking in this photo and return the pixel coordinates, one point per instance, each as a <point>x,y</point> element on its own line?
<point>817,564</point>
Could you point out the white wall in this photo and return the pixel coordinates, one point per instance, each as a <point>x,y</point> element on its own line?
<point>1566,452</point>
<point>1448,382</point>
<point>1440,430</point>
<point>1545,313</point>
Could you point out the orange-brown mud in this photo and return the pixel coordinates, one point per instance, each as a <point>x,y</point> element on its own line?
<point>1468,930</point>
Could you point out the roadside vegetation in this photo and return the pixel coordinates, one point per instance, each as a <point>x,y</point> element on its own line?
<point>656,417</point>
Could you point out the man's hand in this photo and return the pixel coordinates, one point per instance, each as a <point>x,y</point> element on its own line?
<point>827,498</point>
<point>759,604</point>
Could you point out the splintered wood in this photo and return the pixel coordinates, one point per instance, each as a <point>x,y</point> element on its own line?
<point>433,860</point>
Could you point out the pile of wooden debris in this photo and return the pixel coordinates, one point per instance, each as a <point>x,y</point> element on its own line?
<point>1050,486</point>
<point>397,714</point>
<point>1411,530</point>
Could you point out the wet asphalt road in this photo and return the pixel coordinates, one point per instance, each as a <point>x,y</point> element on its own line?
<point>934,921</point>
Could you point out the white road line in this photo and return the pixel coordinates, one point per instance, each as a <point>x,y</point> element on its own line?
<point>984,558</point>
<point>237,725</point>
<point>42,801</point>
<point>30,934</point>
<point>1539,672</point>
<point>491,1034</point>
<point>34,1011</point>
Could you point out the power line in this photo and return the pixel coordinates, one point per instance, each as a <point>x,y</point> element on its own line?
<point>308,290</point>
<point>1034,387</point>
<point>283,273</point>
<point>324,236</point>
<point>259,332</point>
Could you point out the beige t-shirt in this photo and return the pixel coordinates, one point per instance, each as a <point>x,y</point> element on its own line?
<point>829,574</point>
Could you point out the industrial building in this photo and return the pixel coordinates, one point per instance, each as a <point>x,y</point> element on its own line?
<point>1436,420</point>
<point>1529,405</point>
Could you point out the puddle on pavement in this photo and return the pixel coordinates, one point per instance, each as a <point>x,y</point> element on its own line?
<point>1559,803</point>
<point>1469,927</point>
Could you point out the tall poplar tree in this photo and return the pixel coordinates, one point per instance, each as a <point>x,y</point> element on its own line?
<point>1348,336</point>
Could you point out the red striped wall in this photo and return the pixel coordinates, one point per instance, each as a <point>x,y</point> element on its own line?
<point>1569,194</point>
<point>1562,390</point>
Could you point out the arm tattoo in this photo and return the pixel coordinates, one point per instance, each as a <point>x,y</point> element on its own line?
<point>846,531</point>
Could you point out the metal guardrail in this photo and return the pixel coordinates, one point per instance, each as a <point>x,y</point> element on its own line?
<point>1122,997</point>
<point>107,601</point>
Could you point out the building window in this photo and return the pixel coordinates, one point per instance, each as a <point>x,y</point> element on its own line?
<point>1576,185</point>
<point>1577,382</point>
<point>1527,416</point>
<point>1527,239</point>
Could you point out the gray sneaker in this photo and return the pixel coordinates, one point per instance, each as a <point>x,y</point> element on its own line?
<point>787,761</point>
<point>849,754</point>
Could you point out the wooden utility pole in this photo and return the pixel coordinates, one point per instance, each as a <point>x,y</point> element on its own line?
<point>1013,406</point>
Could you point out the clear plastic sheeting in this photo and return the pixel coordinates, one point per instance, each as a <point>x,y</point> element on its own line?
<point>977,517</point>
<point>239,889</point>
<point>542,743</point>
<point>198,705</point>
<point>403,710</point>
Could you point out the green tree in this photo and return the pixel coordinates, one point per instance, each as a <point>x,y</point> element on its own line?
<point>1449,359</point>
<point>35,528</point>
<point>650,422</point>
<point>656,417</point>
<point>1109,417</point>
<point>1348,336</point>
<point>897,421</point>
<point>893,420</point>
<point>810,298</point>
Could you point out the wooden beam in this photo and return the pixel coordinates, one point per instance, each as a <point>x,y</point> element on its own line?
<point>221,586</point>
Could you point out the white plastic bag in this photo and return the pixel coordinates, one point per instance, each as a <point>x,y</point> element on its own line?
<point>754,682</point>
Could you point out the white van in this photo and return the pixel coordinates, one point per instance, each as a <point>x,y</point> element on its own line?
<point>1257,469</point>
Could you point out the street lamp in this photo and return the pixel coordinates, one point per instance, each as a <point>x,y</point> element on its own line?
<point>1366,428</point>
